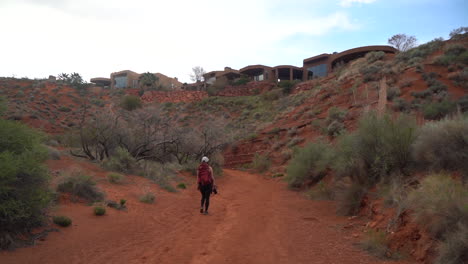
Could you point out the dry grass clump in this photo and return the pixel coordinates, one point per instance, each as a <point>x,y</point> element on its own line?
<point>440,204</point>
<point>81,185</point>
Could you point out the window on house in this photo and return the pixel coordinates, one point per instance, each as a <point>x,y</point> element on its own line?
<point>317,71</point>
<point>120,82</point>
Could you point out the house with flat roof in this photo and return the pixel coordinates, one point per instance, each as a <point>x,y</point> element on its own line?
<point>228,74</point>
<point>130,79</point>
<point>323,64</point>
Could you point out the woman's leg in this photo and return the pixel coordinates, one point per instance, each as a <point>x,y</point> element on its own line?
<point>202,191</point>
<point>207,196</point>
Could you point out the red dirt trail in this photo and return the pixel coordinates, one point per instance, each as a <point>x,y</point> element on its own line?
<point>254,219</point>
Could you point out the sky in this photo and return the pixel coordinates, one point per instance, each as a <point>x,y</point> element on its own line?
<point>97,37</point>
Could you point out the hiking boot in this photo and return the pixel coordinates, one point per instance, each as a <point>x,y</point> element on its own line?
<point>205,213</point>
<point>201,210</point>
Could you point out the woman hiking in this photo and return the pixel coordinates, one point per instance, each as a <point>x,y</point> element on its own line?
<point>206,182</point>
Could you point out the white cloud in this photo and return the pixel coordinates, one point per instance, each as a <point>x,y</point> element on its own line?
<point>95,38</point>
<point>348,3</point>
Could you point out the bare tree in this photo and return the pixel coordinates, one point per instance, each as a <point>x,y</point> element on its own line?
<point>403,42</point>
<point>197,75</point>
<point>458,33</point>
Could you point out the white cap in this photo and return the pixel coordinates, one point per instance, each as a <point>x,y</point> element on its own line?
<point>205,159</point>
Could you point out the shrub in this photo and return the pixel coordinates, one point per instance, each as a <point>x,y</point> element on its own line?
<point>181,186</point>
<point>64,109</point>
<point>392,93</point>
<point>335,128</point>
<point>62,221</point>
<point>376,243</point>
<point>81,185</point>
<point>295,141</point>
<point>349,197</point>
<point>287,86</point>
<point>115,178</point>
<point>336,114</point>
<point>374,56</point>
<point>131,102</point>
<point>440,205</point>
<point>308,164</point>
<point>99,210</point>
<point>454,247</point>
<point>161,174</point>
<point>321,191</point>
<point>23,180</point>
<point>241,81</point>
<point>422,95</point>
<point>443,145</point>
<point>122,203</point>
<point>463,103</point>
<point>147,198</point>
<point>261,163</point>
<point>54,154</point>
<point>370,72</point>
<point>380,147</point>
<point>401,105</point>
<point>438,110</point>
<point>272,95</point>
<point>121,161</point>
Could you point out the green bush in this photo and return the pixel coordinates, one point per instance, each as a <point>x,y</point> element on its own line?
<point>349,197</point>
<point>454,53</point>
<point>161,174</point>
<point>440,204</point>
<point>380,147</point>
<point>422,95</point>
<point>121,161</point>
<point>321,191</point>
<point>287,86</point>
<point>62,221</point>
<point>370,72</point>
<point>392,93</point>
<point>443,145</point>
<point>81,185</point>
<point>420,52</point>
<point>261,163</point>
<point>23,180</point>
<point>115,178</point>
<point>376,242</point>
<point>64,109</point>
<point>401,105</point>
<point>182,185</point>
<point>438,110</point>
<point>99,210</point>
<point>241,81</point>
<point>454,247</point>
<point>335,128</point>
<point>131,102</point>
<point>309,164</point>
<point>147,198</point>
<point>374,56</point>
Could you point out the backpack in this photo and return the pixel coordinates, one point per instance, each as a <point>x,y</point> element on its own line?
<point>204,174</point>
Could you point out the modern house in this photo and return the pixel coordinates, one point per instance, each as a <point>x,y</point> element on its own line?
<point>124,79</point>
<point>228,74</point>
<point>259,73</point>
<point>101,81</point>
<point>130,79</point>
<point>323,64</point>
